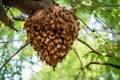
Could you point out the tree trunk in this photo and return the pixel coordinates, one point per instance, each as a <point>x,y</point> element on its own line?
<point>28,6</point>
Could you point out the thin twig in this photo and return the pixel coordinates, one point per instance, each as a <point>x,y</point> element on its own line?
<point>103,63</point>
<point>80,3</point>
<point>76,78</point>
<point>86,25</point>
<point>3,30</point>
<point>81,69</point>
<point>79,60</point>
<point>4,18</point>
<point>108,5</point>
<point>9,41</point>
<point>13,55</point>
<point>93,50</point>
<point>19,18</point>
<point>10,12</point>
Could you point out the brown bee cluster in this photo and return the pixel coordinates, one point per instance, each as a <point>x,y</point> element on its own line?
<point>51,33</point>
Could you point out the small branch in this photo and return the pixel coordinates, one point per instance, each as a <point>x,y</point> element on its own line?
<point>13,55</point>
<point>11,26</point>
<point>2,30</point>
<point>19,18</point>
<point>4,18</point>
<point>79,59</point>
<point>81,69</point>
<point>28,6</point>
<point>86,25</point>
<point>87,45</point>
<point>25,6</point>
<point>108,5</point>
<point>9,41</point>
<point>80,3</point>
<point>102,63</point>
<point>76,78</point>
<point>93,50</point>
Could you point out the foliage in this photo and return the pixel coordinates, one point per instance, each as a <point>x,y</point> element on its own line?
<point>98,42</point>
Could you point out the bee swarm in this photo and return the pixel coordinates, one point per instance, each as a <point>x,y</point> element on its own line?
<point>51,32</point>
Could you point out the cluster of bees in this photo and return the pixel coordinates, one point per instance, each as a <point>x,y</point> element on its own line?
<point>51,33</point>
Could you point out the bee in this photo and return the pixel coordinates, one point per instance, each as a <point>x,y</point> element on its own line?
<point>58,46</point>
<point>42,58</point>
<point>69,48</point>
<point>32,24</point>
<point>56,41</point>
<point>36,33</point>
<point>46,27</point>
<point>36,25</point>
<point>75,35</point>
<point>65,41</point>
<point>53,26</point>
<point>63,47</point>
<point>47,58</point>
<point>51,33</point>
<point>37,49</point>
<point>51,44</point>
<point>38,38</point>
<point>38,53</point>
<point>59,60</point>
<point>68,38</point>
<point>34,42</point>
<point>61,54</point>
<point>27,28</point>
<point>32,30</point>
<point>58,26</point>
<point>49,48</point>
<point>50,9</point>
<point>52,37</point>
<point>60,40</point>
<point>47,40</point>
<point>78,23</point>
<point>28,23</point>
<point>32,35</point>
<point>54,56</point>
<point>45,53</point>
<point>42,40</point>
<point>72,30</point>
<point>55,49</point>
<point>51,21</point>
<point>52,52</point>
<point>44,34</point>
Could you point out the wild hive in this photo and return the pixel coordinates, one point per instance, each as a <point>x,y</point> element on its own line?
<point>51,32</point>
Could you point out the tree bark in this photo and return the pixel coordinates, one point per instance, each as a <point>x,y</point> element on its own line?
<point>4,18</point>
<point>28,6</point>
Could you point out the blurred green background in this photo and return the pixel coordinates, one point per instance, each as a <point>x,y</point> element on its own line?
<point>99,33</point>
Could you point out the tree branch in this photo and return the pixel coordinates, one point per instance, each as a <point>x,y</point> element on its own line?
<point>9,41</point>
<point>93,50</point>
<point>4,18</point>
<point>19,18</point>
<point>107,5</point>
<point>76,78</point>
<point>25,6</point>
<point>28,6</point>
<point>81,64</point>
<point>86,25</point>
<point>79,59</point>
<point>102,63</point>
<point>13,55</point>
